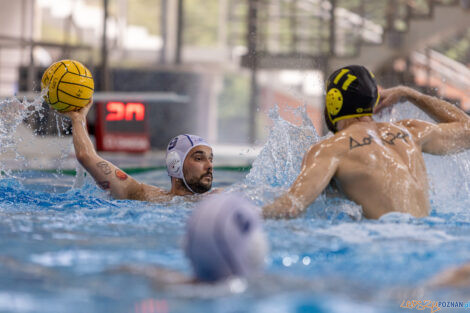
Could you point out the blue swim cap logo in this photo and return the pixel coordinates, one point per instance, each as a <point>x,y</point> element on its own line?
<point>243,223</point>
<point>197,139</point>
<point>172,143</point>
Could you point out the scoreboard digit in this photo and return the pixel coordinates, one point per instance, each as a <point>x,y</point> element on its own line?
<point>121,126</point>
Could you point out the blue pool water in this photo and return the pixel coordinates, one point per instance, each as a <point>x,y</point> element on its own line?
<point>62,239</point>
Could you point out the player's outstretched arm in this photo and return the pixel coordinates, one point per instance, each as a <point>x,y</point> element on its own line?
<point>440,110</point>
<point>319,166</point>
<point>107,176</point>
<point>451,135</point>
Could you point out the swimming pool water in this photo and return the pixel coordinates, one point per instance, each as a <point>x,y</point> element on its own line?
<point>61,246</point>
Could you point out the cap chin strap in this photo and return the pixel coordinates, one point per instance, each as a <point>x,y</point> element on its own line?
<point>187,186</point>
<point>184,159</point>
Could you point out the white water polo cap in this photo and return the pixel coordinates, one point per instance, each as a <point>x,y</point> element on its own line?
<point>224,238</point>
<point>176,153</point>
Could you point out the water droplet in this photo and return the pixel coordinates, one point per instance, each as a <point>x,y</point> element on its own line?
<point>286,261</point>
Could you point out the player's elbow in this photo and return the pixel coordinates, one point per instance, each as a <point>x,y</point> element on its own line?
<point>466,139</point>
<point>83,157</point>
<point>464,142</point>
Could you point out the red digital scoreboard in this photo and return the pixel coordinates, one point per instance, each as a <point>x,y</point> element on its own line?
<point>121,126</point>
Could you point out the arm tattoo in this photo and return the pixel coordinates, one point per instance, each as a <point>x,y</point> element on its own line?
<point>104,167</point>
<point>120,174</point>
<point>104,185</point>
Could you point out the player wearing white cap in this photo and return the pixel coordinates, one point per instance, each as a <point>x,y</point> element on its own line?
<point>181,154</point>
<point>189,164</point>
<point>224,240</point>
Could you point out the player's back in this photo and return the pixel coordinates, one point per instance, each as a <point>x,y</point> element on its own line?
<point>382,169</point>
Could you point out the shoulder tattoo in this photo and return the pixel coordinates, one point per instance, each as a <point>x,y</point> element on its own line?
<point>353,143</point>
<point>389,139</point>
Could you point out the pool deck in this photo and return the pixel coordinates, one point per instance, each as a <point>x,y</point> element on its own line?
<point>52,152</point>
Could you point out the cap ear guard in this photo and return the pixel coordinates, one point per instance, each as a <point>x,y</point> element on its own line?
<point>331,127</point>
<point>173,163</point>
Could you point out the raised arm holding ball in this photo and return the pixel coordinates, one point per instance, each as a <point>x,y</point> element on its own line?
<point>69,89</point>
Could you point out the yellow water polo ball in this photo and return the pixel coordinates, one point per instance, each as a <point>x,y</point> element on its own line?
<point>334,101</point>
<point>67,85</point>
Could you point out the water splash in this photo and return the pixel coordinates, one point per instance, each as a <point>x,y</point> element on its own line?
<point>278,165</point>
<point>24,142</point>
<point>79,234</point>
<point>12,113</point>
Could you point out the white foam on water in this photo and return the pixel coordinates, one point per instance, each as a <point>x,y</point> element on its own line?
<point>370,232</point>
<point>17,302</point>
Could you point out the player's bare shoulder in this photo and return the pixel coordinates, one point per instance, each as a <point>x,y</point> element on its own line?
<point>392,134</point>
<point>334,146</point>
<point>417,128</point>
<point>366,136</point>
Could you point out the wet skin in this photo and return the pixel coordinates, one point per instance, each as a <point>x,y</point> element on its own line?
<point>378,165</point>
<point>453,277</point>
<point>381,168</point>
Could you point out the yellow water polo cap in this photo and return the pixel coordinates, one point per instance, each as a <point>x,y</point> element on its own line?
<point>351,91</point>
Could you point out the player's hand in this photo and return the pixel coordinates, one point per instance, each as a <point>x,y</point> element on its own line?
<point>82,113</point>
<point>388,97</point>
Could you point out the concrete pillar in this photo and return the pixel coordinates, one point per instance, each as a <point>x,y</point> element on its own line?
<point>223,23</point>
<point>17,20</point>
<point>170,29</point>
<point>122,23</point>
<point>212,114</point>
<point>465,4</point>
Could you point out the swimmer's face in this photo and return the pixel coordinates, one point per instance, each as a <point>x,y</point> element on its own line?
<point>197,169</point>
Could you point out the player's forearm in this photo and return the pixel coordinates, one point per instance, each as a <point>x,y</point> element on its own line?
<point>285,206</point>
<point>84,149</point>
<point>440,110</point>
